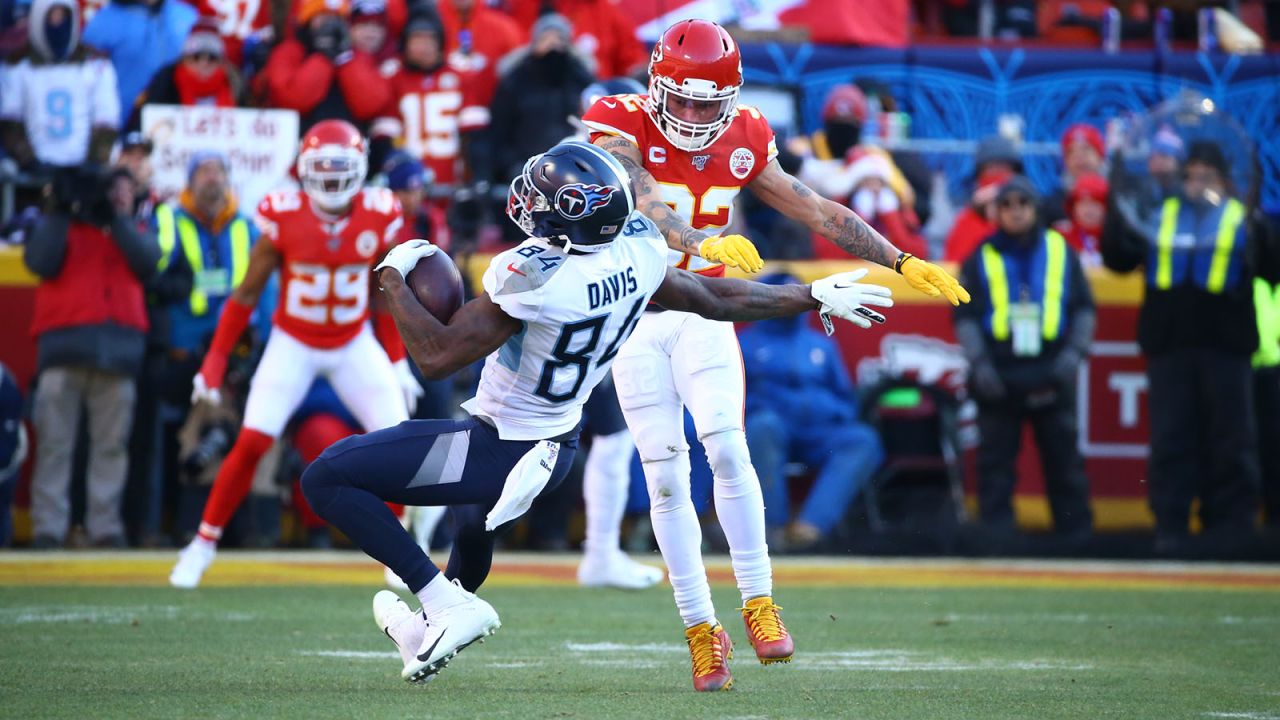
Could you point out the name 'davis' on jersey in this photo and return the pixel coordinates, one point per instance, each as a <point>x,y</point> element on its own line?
<point>612,288</point>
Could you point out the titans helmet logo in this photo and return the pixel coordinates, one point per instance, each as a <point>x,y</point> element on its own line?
<point>576,200</point>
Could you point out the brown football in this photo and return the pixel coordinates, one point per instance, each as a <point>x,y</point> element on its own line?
<point>437,284</point>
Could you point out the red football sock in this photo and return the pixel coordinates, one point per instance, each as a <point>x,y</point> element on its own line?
<point>235,477</point>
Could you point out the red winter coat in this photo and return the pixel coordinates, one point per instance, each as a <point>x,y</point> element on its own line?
<point>295,80</point>
<point>95,286</point>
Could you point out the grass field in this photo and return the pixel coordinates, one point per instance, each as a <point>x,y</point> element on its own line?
<point>102,637</point>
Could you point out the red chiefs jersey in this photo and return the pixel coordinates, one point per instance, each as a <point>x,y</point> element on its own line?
<point>324,264</point>
<point>428,114</point>
<point>700,186</point>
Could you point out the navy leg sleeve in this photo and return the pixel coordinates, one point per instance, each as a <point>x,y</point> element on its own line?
<point>418,462</point>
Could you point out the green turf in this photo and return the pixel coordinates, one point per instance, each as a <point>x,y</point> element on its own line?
<point>86,652</point>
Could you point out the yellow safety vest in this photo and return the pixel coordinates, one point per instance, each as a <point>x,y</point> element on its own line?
<point>1232,216</point>
<point>186,232</point>
<point>1055,274</point>
<point>1266,304</point>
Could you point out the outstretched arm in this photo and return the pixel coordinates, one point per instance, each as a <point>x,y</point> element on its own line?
<point>732,250</point>
<point>731,299</point>
<point>477,329</point>
<point>781,191</point>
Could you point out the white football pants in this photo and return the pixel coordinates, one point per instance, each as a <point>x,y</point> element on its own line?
<point>673,360</point>
<point>360,373</point>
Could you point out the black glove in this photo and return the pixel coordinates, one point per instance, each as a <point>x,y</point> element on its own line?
<point>1065,367</point>
<point>331,38</point>
<point>986,382</point>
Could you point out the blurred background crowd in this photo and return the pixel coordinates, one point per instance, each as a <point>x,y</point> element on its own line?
<point>99,446</point>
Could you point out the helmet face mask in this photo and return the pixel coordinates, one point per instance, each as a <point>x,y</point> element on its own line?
<point>695,63</point>
<point>687,134</point>
<point>332,164</point>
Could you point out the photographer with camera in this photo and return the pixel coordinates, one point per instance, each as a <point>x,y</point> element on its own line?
<point>318,73</point>
<point>90,324</point>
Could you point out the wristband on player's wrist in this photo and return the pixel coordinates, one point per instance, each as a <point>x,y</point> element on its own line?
<point>902,258</point>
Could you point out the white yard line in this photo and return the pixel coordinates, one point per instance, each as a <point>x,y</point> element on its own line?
<point>351,654</point>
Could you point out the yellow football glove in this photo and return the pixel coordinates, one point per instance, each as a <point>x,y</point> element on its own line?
<point>930,279</point>
<point>732,250</point>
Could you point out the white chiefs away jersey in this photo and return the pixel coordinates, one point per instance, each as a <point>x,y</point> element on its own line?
<point>60,104</point>
<point>577,310</point>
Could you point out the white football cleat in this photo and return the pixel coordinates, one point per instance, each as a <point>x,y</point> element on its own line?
<point>400,623</point>
<point>193,560</point>
<point>448,632</point>
<point>616,570</point>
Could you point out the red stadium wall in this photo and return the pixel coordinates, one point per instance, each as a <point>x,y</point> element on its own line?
<point>917,340</point>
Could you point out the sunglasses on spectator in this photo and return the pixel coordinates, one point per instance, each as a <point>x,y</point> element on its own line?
<point>1014,201</point>
<point>204,57</point>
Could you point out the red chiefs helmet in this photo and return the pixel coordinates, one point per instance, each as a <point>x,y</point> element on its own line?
<point>694,62</point>
<point>332,162</point>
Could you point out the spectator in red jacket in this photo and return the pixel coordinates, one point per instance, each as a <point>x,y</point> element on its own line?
<point>600,29</point>
<point>90,324</point>
<point>318,73</point>
<point>476,38</point>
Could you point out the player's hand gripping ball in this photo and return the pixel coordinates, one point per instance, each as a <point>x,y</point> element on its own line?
<point>430,274</point>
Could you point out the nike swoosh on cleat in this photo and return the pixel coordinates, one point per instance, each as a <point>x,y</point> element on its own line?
<point>423,656</point>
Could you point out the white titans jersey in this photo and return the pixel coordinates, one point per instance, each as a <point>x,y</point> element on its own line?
<point>577,310</point>
<point>60,104</point>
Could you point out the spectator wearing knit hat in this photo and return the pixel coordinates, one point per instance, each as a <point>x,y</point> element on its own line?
<point>202,77</point>
<point>376,26</point>
<point>1083,153</point>
<point>234,24</point>
<point>319,74</point>
<point>601,30</point>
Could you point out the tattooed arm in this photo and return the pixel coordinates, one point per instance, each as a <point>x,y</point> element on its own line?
<point>644,188</point>
<point>778,189</point>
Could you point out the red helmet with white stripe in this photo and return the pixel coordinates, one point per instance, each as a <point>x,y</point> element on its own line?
<point>695,74</point>
<point>332,163</point>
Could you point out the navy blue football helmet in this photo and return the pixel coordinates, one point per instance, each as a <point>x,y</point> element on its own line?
<point>574,193</point>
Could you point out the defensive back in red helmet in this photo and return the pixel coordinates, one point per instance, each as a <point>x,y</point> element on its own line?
<point>332,163</point>
<point>695,74</point>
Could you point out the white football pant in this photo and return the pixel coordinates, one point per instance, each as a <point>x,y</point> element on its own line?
<point>673,360</point>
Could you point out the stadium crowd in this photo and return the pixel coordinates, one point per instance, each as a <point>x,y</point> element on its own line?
<point>453,95</point>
